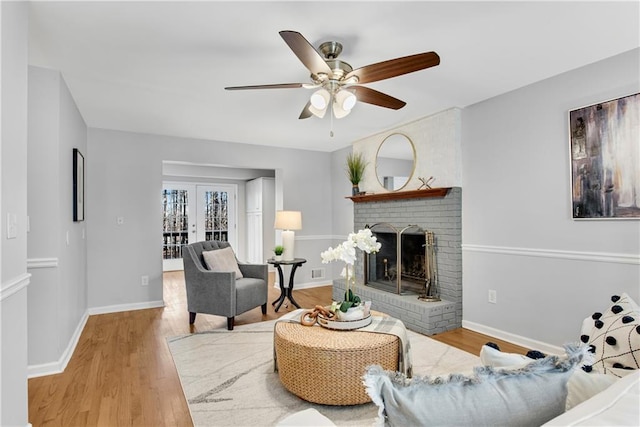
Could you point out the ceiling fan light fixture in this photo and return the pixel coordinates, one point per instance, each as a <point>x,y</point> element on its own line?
<point>320,99</point>
<point>346,99</point>
<point>319,113</point>
<point>338,111</point>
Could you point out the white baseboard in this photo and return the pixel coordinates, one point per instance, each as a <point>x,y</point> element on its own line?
<point>125,307</point>
<point>513,338</point>
<point>60,365</point>
<point>307,285</point>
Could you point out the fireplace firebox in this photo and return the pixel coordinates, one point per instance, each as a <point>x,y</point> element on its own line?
<point>405,264</point>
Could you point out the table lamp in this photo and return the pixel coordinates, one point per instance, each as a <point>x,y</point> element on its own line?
<point>288,221</point>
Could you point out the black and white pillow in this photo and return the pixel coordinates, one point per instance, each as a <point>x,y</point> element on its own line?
<point>614,338</point>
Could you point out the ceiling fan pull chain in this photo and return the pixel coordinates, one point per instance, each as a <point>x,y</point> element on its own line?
<point>331,99</point>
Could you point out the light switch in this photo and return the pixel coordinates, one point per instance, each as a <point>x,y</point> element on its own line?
<point>12,226</point>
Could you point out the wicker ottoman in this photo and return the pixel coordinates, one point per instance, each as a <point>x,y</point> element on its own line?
<point>326,366</point>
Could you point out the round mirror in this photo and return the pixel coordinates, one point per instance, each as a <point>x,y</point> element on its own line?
<point>395,161</point>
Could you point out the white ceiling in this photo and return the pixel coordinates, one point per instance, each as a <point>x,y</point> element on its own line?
<point>161,67</point>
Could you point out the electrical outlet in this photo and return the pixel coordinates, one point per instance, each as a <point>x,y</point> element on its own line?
<point>144,281</point>
<point>493,296</point>
<point>120,220</point>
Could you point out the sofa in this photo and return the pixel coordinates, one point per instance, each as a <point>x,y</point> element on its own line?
<point>596,382</point>
<point>618,405</point>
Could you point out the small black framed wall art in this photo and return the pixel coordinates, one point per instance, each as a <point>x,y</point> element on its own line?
<point>78,185</point>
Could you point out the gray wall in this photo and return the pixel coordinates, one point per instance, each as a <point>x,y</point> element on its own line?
<point>14,278</point>
<point>57,297</point>
<point>549,271</point>
<point>125,178</point>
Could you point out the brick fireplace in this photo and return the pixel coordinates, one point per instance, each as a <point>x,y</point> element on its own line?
<point>428,210</point>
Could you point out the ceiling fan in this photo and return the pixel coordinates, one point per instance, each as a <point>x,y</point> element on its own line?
<point>338,84</point>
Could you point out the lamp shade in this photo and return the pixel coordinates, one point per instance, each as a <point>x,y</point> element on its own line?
<point>288,220</point>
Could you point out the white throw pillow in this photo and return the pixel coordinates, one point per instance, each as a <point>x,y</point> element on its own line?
<point>489,356</point>
<point>222,261</point>
<point>580,387</point>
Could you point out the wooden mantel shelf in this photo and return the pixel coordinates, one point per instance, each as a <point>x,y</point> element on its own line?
<point>399,195</point>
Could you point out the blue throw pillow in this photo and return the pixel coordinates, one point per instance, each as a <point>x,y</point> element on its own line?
<point>527,396</point>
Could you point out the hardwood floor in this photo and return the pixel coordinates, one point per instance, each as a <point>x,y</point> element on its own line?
<point>122,373</point>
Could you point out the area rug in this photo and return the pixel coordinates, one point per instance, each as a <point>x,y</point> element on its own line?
<point>228,377</point>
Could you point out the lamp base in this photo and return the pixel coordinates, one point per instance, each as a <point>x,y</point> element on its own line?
<point>288,237</point>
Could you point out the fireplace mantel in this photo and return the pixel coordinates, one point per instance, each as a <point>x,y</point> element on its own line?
<point>399,195</point>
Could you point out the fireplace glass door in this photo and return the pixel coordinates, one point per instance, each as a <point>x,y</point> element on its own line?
<point>401,266</point>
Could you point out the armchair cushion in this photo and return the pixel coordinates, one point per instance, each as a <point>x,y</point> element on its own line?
<point>222,261</point>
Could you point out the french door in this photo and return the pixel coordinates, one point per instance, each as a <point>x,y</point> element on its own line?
<point>193,213</point>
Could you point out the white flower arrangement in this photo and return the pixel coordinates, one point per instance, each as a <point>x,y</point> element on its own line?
<point>346,252</point>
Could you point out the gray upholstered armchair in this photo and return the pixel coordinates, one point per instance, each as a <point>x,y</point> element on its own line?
<point>219,293</point>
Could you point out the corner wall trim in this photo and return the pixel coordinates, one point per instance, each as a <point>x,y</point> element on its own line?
<point>14,285</point>
<point>42,263</point>
<point>552,253</point>
<point>125,307</point>
<point>513,338</point>
<point>60,365</point>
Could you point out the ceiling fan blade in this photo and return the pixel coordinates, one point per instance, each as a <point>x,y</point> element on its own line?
<point>274,86</point>
<point>306,112</point>
<point>372,96</point>
<point>395,67</point>
<point>306,52</point>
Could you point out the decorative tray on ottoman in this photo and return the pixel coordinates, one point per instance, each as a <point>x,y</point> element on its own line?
<point>343,325</point>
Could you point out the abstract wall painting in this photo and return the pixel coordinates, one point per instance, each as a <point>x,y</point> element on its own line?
<point>605,159</point>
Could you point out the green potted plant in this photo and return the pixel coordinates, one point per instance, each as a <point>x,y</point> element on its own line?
<point>278,250</point>
<point>355,170</point>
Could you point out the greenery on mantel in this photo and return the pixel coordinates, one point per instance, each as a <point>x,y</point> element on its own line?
<point>355,167</point>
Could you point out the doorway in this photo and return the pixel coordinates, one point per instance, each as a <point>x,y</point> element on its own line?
<point>193,213</point>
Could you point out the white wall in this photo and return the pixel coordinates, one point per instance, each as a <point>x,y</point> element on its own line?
<point>125,179</point>
<point>57,297</point>
<point>436,140</point>
<point>549,271</point>
<point>13,251</point>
